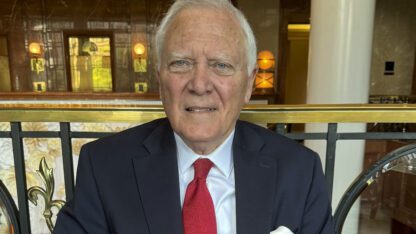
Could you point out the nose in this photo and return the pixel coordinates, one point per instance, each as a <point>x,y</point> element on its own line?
<point>200,82</point>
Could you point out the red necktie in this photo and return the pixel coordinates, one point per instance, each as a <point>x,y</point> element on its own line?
<point>198,212</point>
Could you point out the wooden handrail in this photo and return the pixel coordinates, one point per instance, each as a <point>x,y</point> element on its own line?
<point>328,113</point>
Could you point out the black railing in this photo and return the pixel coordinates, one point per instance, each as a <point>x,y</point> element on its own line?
<point>278,116</point>
<point>10,210</point>
<point>65,135</point>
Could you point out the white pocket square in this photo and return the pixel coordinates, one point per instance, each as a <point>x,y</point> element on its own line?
<point>282,230</point>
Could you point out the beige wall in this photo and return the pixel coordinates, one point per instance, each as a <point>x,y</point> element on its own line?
<point>394,40</point>
<point>297,68</point>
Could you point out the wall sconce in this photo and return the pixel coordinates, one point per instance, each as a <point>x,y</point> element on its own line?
<point>139,49</point>
<point>265,60</point>
<point>264,80</point>
<point>139,64</point>
<point>265,75</point>
<point>37,64</point>
<point>34,49</point>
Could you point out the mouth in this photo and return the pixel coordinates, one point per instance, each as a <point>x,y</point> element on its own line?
<point>198,109</point>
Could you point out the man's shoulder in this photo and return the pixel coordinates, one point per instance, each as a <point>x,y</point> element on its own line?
<point>132,137</point>
<point>275,143</point>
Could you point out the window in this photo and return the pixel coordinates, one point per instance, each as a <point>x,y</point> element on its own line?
<point>5,85</point>
<point>89,64</point>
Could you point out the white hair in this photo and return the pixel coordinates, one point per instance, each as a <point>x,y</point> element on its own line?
<point>179,5</point>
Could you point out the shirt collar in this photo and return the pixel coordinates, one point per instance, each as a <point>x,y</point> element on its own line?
<point>221,156</point>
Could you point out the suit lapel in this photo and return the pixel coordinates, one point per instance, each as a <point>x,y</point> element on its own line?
<point>255,176</point>
<point>158,182</point>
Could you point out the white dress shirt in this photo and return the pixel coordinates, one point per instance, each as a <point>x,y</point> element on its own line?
<point>220,180</point>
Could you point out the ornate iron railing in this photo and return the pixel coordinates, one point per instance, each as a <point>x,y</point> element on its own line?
<point>278,116</point>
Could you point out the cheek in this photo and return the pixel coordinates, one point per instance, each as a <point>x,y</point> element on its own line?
<point>236,88</point>
<point>172,88</point>
<point>232,96</point>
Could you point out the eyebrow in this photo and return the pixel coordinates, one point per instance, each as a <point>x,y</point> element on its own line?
<point>221,57</point>
<point>176,55</point>
<point>218,57</point>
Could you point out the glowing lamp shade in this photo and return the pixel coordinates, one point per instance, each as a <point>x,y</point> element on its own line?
<point>34,48</point>
<point>139,49</point>
<point>264,80</point>
<point>265,60</point>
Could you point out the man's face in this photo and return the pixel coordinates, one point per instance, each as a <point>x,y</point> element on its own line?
<point>203,76</point>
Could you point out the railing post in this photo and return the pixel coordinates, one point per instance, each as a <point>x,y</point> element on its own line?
<point>280,128</point>
<point>66,145</point>
<point>331,143</point>
<point>19,165</point>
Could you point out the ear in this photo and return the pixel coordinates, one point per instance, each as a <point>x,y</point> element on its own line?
<point>250,87</point>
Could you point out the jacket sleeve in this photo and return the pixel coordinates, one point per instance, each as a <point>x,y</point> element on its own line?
<point>84,213</point>
<point>317,216</point>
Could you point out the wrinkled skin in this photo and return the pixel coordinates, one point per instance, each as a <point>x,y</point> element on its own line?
<point>203,76</point>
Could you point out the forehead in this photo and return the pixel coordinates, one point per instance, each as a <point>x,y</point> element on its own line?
<point>204,25</point>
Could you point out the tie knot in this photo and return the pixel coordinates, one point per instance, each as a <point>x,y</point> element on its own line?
<point>202,167</point>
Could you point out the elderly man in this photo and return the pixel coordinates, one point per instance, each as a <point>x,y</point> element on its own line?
<point>201,170</point>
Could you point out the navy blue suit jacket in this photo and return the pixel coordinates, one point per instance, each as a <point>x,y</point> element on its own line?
<point>128,183</point>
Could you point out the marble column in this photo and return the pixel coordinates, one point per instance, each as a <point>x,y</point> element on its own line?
<point>339,72</point>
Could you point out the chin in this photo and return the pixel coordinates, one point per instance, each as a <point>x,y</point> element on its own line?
<point>200,135</point>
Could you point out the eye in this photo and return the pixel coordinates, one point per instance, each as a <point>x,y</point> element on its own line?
<point>222,68</point>
<point>180,65</point>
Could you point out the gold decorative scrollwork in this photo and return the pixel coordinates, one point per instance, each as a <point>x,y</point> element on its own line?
<point>46,174</point>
